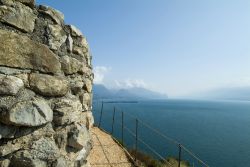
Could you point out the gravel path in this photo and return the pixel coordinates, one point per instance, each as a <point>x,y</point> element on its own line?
<point>106,152</point>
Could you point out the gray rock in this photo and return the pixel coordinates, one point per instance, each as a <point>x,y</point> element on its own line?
<point>79,50</point>
<point>25,159</point>
<point>86,70</point>
<point>81,46</point>
<point>60,162</point>
<point>56,36</point>
<point>75,32</point>
<point>88,59</point>
<point>90,119</point>
<point>8,148</point>
<point>7,2</point>
<point>7,131</point>
<point>25,136</point>
<point>4,163</point>
<point>35,132</point>
<point>54,14</point>
<point>28,113</point>
<point>84,43</point>
<point>61,136</point>
<point>67,111</point>
<point>48,85</point>
<point>25,53</point>
<point>10,85</point>
<point>12,71</point>
<point>79,137</point>
<point>24,95</point>
<point>85,98</point>
<point>30,3</point>
<point>25,78</point>
<point>85,108</point>
<point>19,16</point>
<point>71,65</point>
<point>45,149</point>
<point>83,153</point>
<point>69,43</point>
<point>88,85</point>
<point>6,102</point>
<point>79,58</point>
<point>76,84</point>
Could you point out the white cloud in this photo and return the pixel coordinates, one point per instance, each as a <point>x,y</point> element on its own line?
<point>131,83</point>
<point>99,72</point>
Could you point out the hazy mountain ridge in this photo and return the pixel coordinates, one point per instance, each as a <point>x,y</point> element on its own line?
<point>101,92</point>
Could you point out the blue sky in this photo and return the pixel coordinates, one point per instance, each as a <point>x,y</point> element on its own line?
<point>173,46</point>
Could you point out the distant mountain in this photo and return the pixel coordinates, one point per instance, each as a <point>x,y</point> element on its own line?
<point>125,94</point>
<point>235,93</point>
<point>101,92</point>
<point>142,93</point>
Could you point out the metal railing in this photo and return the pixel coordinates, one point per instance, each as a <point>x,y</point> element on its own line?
<point>138,139</point>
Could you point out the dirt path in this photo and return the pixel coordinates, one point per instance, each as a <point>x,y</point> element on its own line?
<point>106,152</point>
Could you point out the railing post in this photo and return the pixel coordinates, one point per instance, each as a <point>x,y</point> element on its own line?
<point>122,128</point>
<point>113,121</point>
<point>136,138</point>
<point>179,159</point>
<point>100,120</point>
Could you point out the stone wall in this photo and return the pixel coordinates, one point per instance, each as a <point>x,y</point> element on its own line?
<point>45,88</point>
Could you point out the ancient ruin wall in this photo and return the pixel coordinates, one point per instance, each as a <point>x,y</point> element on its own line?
<point>45,88</point>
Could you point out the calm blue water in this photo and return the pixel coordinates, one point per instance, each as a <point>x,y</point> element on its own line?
<point>217,131</point>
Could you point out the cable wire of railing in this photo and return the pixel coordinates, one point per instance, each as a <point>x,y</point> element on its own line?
<point>164,136</point>
<point>192,154</point>
<point>147,145</point>
<point>168,138</point>
<point>153,129</point>
<point>116,109</point>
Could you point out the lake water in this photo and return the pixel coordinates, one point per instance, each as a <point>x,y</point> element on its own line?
<point>217,131</point>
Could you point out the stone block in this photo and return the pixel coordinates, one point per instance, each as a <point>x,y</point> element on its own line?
<point>27,54</point>
<point>48,85</point>
<point>18,16</point>
<point>10,85</point>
